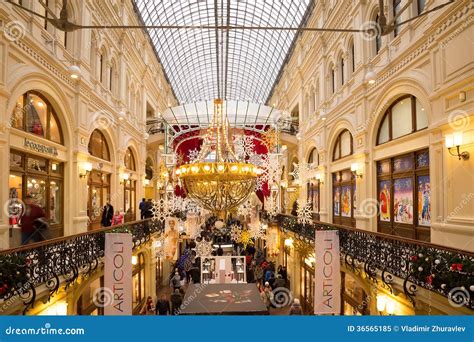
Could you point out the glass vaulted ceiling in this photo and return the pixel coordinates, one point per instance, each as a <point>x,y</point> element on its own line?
<point>235,64</point>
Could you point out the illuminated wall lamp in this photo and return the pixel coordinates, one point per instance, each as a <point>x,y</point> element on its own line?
<point>124,177</point>
<point>146,182</point>
<point>289,242</point>
<point>455,140</point>
<point>356,169</point>
<point>85,169</point>
<point>319,177</point>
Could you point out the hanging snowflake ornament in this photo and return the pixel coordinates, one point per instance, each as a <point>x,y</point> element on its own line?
<point>203,248</point>
<point>305,216</point>
<point>160,210</point>
<point>244,145</point>
<point>235,231</point>
<point>245,208</point>
<point>300,172</point>
<point>259,184</point>
<point>258,230</point>
<point>271,207</point>
<point>193,155</point>
<point>245,238</point>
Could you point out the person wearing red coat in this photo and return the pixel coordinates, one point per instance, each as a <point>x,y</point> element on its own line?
<point>32,222</point>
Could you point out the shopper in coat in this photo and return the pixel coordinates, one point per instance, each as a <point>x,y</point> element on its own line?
<point>149,308</point>
<point>163,306</point>
<point>32,222</point>
<point>107,215</point>
<point>176,301</point>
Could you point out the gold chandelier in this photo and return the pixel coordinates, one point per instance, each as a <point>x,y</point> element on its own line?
<point>217,180</point>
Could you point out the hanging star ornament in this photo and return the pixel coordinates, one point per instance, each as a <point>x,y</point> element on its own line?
<point>193,155</point>
<point>246,238</point>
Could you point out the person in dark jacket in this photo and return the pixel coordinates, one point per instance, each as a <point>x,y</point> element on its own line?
<point>279,282</point>
<point>176,281</point>
<point>148,208</point>
<point>176,301</point>
<point>107,215</point>
<point>32,222</point>
<point>296,308</point>
<point>163,306</point>
<point>141,207</point>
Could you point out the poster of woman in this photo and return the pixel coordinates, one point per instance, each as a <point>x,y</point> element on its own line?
<point>424,205</point>
<point>346,201</point>
<point>403,200</point>
<point>171,238</point>
<point>384,200</point>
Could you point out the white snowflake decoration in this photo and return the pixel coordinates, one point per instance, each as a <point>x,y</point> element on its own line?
<point>271,207</point>
<point>235,231</point>
<point>257,231</point>
<point>305,216</point>
<point>195,232</point>
<point>245,208</point>
<point>203,248</point>
<point>244,145</point>
<point>300,172</point>
<point>259,184</point>
<point>160,210</point>
<point>193,155</point>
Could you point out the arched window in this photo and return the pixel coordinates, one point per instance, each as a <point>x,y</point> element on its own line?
<point>352,50</point>
<point>101,67</point>
<point>98,146</point>
<point>342,66</point>
<point>34,114</point>
<point>313,157</point>
<point>405,116</point>
<point>343,146</point>
<point>420,6</point>
<point>378,38</point>
<point>333,80</point>
<point>111,77</point>
<point>129,160</point>
<point>396,7</point>
<point>149,168</point>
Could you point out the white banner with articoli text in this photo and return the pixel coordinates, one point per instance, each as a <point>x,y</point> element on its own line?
<point>118,274</point>
<point>327,289</point>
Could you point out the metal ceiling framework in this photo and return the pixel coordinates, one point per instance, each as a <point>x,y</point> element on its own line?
<point>233,64</point>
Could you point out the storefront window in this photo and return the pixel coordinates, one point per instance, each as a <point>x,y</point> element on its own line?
<point>99,193</point>
<point>138,279</point>
<point>344,189</point>
<point>353,296</point>
<point>313,197</point>
<point>34,114</point>
<point>130,190</point>
<point>404,194</point>
<point>307,284</point>
<point>42,179</point>
<point>86,304</point>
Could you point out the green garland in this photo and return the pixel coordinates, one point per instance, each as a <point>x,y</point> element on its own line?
<point>13,273</point>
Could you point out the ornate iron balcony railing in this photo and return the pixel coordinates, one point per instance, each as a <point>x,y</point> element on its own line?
<point>444,270</point>
<point>60,261</point>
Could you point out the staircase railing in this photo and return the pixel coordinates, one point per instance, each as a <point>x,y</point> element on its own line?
<point>60,261</point>
<point>444,270</point>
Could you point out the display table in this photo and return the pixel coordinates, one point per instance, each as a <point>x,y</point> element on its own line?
<point>223,299</point>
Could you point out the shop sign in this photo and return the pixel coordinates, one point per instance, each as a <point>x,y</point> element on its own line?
<point>37,147</point>
<point>117,290</point>
<point>327,290</point>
